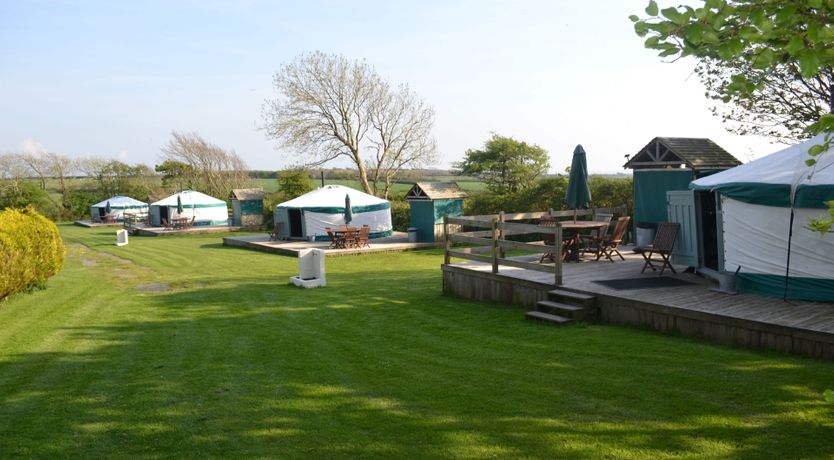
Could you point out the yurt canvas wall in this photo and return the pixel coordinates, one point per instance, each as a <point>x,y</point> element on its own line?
<point>308,215</point>
<point>756,203</point>
<point>205,210</point>
<point>118,206</point>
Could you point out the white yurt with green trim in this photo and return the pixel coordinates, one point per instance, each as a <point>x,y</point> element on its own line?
<point>761,238</point>
<point>308,215</point>
<point>118,205</point>
<point>205,210</point>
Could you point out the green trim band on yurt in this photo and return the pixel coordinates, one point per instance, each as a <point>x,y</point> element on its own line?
<point>756,235</point>
<point>308,216</point>
<point>205,210</point>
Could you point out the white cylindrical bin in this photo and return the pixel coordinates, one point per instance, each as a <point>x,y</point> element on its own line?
<point>412,234</point>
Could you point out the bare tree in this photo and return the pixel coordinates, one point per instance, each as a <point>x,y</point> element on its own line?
<point>329,107</point>
<point>38,166</point>
<point>217,171</point>
<point>60,166</point>
<point>12,171</point>
<point>402,125</point>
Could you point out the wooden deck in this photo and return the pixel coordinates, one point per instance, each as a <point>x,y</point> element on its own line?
<point>745,319</point>
<point>397,242</point>
<point>91,224</point>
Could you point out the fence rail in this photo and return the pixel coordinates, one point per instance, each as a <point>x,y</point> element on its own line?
<point>490,246</point>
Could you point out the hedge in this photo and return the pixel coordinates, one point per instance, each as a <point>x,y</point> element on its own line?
<point>31,250</point>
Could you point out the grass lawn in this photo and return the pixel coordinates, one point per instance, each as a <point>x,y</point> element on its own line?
<point>231,361</point>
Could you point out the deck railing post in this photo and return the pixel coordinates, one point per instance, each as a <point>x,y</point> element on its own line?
<point>446,244</point>
<point>494,245</point>
<point>501,233</point>
<point>557,254</point>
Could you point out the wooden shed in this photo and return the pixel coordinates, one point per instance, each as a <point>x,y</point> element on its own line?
<point>671,163</point>
<point>429,202</point>
<point>663,170</point>
<point>247,207</point>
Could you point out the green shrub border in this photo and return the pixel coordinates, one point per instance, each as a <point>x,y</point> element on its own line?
<point>31,250</point>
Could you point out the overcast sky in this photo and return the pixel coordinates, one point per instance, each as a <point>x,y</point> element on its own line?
<point>114,79</point>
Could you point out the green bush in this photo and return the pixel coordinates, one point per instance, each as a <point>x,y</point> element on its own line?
<point>400,215</point>
<point>28,193</point>
<point>79,202</point>
<point>31,250</point>
<point>549,193</point>
<point>270,201</point>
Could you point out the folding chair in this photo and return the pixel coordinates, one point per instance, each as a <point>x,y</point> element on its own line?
<point>664,242</point>
<point>607,247</point>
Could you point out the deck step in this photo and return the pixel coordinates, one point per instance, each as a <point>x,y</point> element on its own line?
<point>556,320</point>
<point>571,297</point>
<point>561,309</point>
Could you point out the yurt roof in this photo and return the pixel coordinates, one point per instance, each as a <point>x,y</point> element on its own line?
<point>188,197</point>
<point>120,202</point>
<point>769,180</point>
<point>332,197</point>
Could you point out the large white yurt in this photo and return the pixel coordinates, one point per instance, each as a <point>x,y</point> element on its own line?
<point>308,215</point>
<point>205,210</point>
<point>760,238</point>
<point>118,205</point>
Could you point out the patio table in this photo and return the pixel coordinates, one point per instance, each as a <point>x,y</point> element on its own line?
<point>345,236</point>
<point>574,227</point>
<point>180,222</point>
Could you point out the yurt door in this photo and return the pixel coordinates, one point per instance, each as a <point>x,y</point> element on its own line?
<point>681,208</point>
<point>296,230</point>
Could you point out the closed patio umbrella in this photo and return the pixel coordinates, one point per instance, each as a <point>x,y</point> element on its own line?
<point>578,194</point>
<point>348,211</point>
<point>179,205</point>
<point>107,207</point>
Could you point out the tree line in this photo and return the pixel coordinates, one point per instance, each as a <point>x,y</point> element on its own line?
<point>187,162</point>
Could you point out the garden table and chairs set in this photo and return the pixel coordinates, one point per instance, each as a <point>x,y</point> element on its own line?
<point>348,237</point>
<point>597,241</point>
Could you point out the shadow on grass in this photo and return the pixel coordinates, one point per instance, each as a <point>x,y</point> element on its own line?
<point>386,367</point>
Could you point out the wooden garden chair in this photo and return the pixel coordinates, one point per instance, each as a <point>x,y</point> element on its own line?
<point>275,235</point>
<point>589,241</point>
<point>336,242</point>
<point>664,242</point>
<point>166,225</point>
<point>549,239</point>
<point>362,237</point>
<point>607,247</point>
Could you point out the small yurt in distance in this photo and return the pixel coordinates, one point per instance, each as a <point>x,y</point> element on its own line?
<point>308,215</point>
<point>756,202</point>
<point>118,206</point>
<point>205,210</point>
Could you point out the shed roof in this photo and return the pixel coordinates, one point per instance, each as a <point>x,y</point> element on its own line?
<point>435,191</point>
<point>676,152</point>
<point>247,194</point>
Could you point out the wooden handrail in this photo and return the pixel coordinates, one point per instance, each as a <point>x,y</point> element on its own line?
<point>492,242</point>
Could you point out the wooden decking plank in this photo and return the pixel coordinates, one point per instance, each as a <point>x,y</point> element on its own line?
<point>805,316</point>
